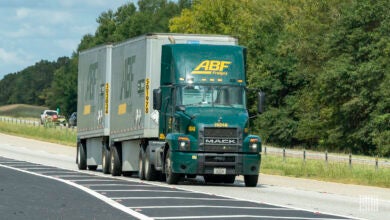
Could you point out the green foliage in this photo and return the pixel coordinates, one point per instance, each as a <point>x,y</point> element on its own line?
<point>28,85</point>
<point>324,66</point>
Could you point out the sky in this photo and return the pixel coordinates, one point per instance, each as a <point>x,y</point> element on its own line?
<point>35,30</point>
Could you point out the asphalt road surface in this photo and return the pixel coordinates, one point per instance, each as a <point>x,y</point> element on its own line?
<point>27,196</point>
<point>71,194</point>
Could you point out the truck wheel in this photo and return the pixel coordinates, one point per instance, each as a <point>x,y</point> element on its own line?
<point>141,167</point>
<point>229,178</point>
<point>105,160</point>
<point>92,167</point>
<point>171,178</point>
<point>251,180</point>
<point>150,172</point>
<point>81,156</point>
<point>116,166</point>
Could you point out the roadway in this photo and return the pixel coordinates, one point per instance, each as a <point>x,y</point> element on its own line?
<point>274,198</point>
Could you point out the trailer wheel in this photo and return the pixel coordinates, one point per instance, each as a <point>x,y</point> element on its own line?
<point>81,156</point>
<point>229,178</point>
<point>92,167</point>
<point>116,166</point>
<point>150,172</point>
<point>171,178</point>
<point>141,163</point>
<point>105,160</point>
<point>251,180</point>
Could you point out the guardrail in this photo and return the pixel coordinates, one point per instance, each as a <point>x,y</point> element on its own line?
<point>32,122</point>
<point>327,157</point>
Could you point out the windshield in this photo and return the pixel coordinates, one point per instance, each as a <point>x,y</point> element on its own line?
<point>212,95</point>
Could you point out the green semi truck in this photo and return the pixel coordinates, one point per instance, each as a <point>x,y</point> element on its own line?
<point>167,106</point>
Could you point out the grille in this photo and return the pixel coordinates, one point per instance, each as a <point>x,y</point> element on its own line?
<point>220,148</point>
<point>220,132</point>
<point>217,159</point>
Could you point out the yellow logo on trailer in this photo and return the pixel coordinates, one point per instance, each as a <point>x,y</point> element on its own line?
<point>209,67</point>
<point>147,84</point>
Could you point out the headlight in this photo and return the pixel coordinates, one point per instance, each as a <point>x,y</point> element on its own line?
<point>253,145</point>
<point>184,143</point>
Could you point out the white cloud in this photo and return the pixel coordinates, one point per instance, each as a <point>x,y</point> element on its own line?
<point>43,15</point>
<point>17,58</point>
<point>22,13</point>
<point>28,30</point>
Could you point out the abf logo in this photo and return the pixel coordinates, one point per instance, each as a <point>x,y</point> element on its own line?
<point>216,67</point>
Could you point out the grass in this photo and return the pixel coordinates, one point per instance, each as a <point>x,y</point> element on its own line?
<point>21,111</point>
<point>331,171</point>
<point>294,167</point>
<point>57,135</point>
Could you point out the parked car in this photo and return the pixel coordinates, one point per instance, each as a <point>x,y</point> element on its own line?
<point>72,122</point>
<point>49,116</point>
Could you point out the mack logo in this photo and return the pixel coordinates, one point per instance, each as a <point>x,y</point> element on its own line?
<point>216,67</point>
<point>220,141</point>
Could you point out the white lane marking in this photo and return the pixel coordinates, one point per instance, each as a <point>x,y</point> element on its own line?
<point>227,198</point>
<point>89,191</point>
<point>26,166</point>
<point>244,216</point>
<point>38,168</point>
<point>206,206</point>
<point>67,175</point>
<point>54,171</point>
<point>231,198</point>
<point>139,190</point>
<point>118,184</point>
<point>94,180</point>
<point>168,197</point>
<point>10,162</point>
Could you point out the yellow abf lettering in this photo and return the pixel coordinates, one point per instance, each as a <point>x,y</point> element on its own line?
<point>211,66</point>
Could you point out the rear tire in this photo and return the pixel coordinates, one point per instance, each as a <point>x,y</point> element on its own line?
<point>141,164</point>
<point>171,177</point>
<point>81,156</point>
<point>105,160</point>
<point>251,180</point>
<point>115,163</point>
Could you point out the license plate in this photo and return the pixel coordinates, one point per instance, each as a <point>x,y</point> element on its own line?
<point>220,171</point>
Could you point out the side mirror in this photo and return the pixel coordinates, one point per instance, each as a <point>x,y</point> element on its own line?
<point>181,108</point>
<point>260,102</point>
<point>157,99</point>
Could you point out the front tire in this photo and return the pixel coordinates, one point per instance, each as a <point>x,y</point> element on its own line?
<point>171,177</point>
<point>81,156</point>
<point>116,165</point>
<point>251,180</point>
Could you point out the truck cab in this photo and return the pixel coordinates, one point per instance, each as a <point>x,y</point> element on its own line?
<point>203,119</point>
